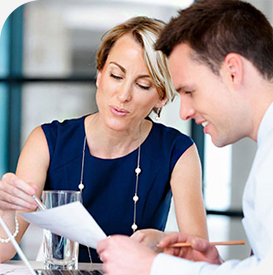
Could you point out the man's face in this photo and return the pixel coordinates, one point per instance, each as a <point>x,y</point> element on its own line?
<point>206,97</point>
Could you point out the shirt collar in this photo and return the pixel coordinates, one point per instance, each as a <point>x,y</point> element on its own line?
<point>266,125</point>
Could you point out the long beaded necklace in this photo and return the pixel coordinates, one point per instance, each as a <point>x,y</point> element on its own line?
<point>137,171</point>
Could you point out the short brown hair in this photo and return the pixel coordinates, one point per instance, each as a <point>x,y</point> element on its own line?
<point>215,28</point>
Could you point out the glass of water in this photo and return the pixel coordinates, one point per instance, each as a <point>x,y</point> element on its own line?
<point>59,252</point>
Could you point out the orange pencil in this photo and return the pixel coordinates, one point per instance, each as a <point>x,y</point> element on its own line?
<point>213,243</point>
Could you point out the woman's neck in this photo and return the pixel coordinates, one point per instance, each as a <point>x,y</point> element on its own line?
<point>107,143</point>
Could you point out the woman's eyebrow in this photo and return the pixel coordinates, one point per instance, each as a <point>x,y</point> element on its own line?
<point>122,68</point>
<point>144,76</point>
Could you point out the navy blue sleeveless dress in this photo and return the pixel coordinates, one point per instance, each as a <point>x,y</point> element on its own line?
<point>110,183</point>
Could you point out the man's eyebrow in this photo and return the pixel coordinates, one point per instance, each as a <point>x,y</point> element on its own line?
<point>115,63</point>
<point>178,89</point>
<point>182,88</point>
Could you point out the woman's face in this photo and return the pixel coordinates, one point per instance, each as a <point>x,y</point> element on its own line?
<point>125,91</point>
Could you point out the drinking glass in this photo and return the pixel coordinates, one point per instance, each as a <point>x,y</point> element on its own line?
<point>59,252</point>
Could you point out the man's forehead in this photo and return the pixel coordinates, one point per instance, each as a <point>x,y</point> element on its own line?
<point>180,63</point>
<point>182,48</point>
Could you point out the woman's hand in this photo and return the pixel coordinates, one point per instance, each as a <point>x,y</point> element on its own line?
<point>149,237</point>
<point>15,194</point>
<point>200,249</point>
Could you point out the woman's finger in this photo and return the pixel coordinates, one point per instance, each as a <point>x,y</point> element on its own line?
<point>15,194</point>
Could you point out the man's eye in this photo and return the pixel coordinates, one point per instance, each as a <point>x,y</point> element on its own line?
<point>116,76</point>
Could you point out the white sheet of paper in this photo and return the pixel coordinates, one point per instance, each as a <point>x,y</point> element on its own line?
<point>72,221</point>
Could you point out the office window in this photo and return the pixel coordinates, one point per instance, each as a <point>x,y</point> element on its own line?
<point>217,176</point>
<point>61,39</point>
<point>4,67</point>
<point>44,102</point>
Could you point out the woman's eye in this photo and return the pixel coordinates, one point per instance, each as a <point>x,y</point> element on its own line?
<point>143,87</point>
<point>116,76</point>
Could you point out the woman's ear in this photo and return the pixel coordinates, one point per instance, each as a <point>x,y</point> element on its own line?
<point>161,103</point>
<point>98,79</point>
<point>233,68</point>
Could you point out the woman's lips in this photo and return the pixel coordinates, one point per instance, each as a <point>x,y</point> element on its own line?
<point>118,111</point>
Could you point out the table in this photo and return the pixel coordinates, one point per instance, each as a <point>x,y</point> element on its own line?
<point>19,268</point>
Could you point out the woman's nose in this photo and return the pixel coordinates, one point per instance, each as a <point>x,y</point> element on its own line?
<point>125,92</point>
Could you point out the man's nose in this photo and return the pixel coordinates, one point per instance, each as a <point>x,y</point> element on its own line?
<point>186,109</point>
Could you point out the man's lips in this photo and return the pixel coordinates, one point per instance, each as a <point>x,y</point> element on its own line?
<point>205,124</point>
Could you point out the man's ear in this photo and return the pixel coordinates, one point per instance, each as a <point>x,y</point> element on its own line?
<point>233,67</point>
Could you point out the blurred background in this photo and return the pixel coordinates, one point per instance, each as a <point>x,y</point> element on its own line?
<point>48,71</point>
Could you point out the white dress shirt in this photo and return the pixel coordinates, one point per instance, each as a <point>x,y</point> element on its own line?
<point>258,216</point>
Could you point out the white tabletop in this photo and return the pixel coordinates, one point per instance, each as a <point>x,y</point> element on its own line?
<point>19,268</point>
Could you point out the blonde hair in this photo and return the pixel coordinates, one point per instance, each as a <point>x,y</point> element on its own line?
<point>145,31</point>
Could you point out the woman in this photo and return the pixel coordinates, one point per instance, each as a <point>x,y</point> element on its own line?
<point>125,164</point>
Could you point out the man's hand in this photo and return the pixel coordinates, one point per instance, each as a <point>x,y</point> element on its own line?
<point>200,250</point>
<point>121,255</point>
<point>149,237</point>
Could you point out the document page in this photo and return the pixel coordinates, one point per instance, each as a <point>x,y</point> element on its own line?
<point>72,221</point>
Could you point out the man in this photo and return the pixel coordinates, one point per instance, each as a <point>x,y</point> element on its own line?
<point>220,57</point>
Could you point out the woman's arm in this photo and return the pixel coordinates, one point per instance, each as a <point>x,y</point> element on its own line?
<point>16,190</point>
<point>186,184</point>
